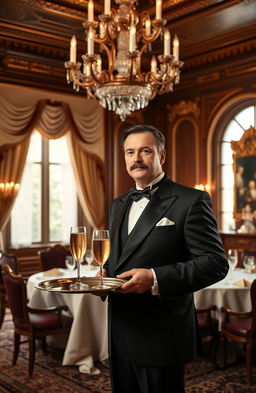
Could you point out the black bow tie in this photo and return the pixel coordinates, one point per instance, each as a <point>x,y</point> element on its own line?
<point>135,195</point>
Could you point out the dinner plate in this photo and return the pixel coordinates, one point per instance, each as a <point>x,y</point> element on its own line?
<point>62,284</point>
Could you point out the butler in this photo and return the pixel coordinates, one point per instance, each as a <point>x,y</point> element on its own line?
<point>165,242</point>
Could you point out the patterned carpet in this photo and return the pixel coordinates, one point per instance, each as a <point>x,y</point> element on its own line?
<point>51,377</point>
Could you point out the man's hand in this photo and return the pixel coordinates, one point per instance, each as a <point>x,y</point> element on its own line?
<point>141,280</point>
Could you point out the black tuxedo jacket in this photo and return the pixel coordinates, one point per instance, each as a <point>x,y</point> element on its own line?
<point>187,256</point>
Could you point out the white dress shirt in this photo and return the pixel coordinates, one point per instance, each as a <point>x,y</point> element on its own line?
<point>136,209</point>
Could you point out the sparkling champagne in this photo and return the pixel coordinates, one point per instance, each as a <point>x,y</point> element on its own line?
<point>101,250</point>
<point>78,245</point>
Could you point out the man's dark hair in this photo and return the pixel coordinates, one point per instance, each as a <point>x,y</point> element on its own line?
<point>160,139</point>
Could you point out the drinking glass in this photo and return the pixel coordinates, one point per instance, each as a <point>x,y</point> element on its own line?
<point>249,263</point>
<point>78,244</point>
<point>232,261</point>
<point>70,263</point>
<point>89,258</point>
<point>101,251</point>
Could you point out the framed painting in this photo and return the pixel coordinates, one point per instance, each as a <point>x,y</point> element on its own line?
<point>244,156</point>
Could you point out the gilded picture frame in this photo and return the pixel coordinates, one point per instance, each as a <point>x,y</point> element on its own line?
<point>244,162</point>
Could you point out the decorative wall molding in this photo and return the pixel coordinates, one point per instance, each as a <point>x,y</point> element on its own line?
<point>31,66</point>
<point>183,108</point>
<point>221,54</point>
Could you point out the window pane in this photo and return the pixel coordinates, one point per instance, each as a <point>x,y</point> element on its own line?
<point>226,153</point>
<point>26,213</point>
<point>246,117</point>
<point>63,198</point>
<point>227,201</point>
<point>37,205</point>
<point>233,132</point>
<point>58,151</point>
<point>35,147</point>
<point>227,176</point>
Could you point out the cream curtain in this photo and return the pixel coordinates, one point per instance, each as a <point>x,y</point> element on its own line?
<point>22,111</point>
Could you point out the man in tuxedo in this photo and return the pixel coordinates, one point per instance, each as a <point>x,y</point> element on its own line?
<point>165,243</point>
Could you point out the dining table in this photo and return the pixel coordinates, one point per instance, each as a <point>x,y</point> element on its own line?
<point>87,340</point>
<point>232,292</point>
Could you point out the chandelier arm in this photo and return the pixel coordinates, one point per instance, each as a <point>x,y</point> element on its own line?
<point>89,92</point>
<point>149,39</point>
<point>78,82</point>
<point>164,83</point>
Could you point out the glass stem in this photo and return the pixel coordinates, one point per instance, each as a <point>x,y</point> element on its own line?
<point>78,271</point>
<point>101,276</point>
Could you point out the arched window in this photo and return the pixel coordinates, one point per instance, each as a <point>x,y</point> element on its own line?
<point>239,123</point>
<point>46,206</point>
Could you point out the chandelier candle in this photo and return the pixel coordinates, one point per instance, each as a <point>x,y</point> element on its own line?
<point>176,47</point>
<point>126,80</point>
<point>73,44</point>
<point>167,43</point>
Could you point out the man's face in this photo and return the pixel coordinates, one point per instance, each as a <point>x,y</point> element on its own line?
<point>143,160</point>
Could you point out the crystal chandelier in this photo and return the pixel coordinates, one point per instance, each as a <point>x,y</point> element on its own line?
<point>124,35</point>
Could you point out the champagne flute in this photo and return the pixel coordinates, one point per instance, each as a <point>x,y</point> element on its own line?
<point>101,251</point>
<point>78,244</point>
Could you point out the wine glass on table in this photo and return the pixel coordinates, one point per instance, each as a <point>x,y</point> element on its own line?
<point>78,245</point>
<point>232,261</point>
<point>101,251</point>
<point>249,263</point>
<point>89,259</point>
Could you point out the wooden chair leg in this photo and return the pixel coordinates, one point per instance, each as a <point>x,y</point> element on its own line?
<point>44,345</point>
<point>223,341</point>
<point>249,361</point>
<point>16,347</point>
<point>32,349</point>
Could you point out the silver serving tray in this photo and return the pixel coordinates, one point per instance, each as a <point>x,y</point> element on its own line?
<point>62,284</point>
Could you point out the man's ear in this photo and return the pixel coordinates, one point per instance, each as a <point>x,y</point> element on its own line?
<point>162,156</point>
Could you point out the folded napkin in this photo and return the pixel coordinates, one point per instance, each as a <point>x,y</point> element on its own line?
<point>242,283</point>
<point>53,272</point>
<point>88,367</point>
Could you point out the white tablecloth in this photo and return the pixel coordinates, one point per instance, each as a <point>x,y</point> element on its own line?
<point>225,293</point>
<point>87,340</point>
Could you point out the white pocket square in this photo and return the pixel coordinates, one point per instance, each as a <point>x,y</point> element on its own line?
<point>164,221</point>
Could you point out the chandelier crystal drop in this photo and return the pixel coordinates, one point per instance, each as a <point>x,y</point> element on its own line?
<point>124,37</point>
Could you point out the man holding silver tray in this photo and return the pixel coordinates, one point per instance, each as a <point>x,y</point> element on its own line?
<point>165,243</point>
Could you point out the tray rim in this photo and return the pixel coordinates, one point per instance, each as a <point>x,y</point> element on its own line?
<point>38,285</point>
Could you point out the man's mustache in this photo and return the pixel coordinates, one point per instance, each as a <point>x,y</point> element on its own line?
<point>136,165</point>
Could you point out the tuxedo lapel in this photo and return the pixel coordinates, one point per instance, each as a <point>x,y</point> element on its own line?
<point>116,226</point>
<point>154,211</point>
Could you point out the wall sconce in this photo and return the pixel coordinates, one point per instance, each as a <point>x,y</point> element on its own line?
<point>9,190</point>
<point>203,187</point>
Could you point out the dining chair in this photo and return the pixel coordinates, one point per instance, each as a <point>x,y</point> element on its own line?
<point>30,322</point>
<point>54,257</point>
<point>241,327</point>
<point>208,327</point>
<point>12,262</point>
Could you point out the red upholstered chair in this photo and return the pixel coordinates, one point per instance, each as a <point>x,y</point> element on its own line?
<point>11,261</point>
<point>29,322</point>
<point>54,257</point>
<point>241,327</point>
<point>208,327</point>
